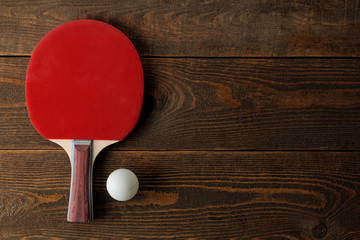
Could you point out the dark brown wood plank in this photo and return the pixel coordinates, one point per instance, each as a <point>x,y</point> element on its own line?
<point>222,104</point>
<point>217,195</point>
<point>197,28</point>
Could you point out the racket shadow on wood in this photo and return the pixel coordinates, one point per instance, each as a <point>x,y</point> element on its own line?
<point>84,91</point>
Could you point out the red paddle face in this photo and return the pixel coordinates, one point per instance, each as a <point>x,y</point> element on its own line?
<point>84,81</point>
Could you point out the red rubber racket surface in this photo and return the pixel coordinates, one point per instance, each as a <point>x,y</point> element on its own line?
<point>84,81</point>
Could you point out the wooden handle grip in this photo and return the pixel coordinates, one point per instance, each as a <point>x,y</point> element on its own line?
<point>80,202</point>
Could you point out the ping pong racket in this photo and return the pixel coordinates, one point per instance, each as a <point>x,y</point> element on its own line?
<point>84,91</point>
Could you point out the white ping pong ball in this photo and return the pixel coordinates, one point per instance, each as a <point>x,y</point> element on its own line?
<point>122,184</point>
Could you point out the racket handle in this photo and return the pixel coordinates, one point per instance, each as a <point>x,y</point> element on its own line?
<point>80,200</point>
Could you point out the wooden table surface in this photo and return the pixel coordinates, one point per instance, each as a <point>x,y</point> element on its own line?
<point>250,127</point>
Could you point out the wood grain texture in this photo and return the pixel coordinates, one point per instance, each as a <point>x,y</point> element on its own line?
<point>214,85</point>
<point>220,104</point>
<point>195,194</point>
<point>80,199</point>
<point>197,28</point>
